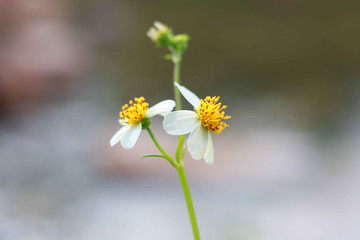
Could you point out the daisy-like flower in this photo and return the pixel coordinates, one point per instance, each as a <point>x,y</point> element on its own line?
<point>135,116</point>
<point>206,118</point>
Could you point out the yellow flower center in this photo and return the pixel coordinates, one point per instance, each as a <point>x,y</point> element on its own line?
<point>211,114</point>
<point>134,112</point>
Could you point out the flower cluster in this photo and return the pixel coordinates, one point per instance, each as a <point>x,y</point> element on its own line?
<point>206,118</point>
<point>162,35</point>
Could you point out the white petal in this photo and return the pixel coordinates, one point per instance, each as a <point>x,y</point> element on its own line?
<point>163,114</point>
<point>159,25</point>
<point>119,134</point>
<point>181,122</point>
<point>197,142</point>
<point>160,108</point>
<point>120,121</point>
<point>152,33</point>
<point>209,154</point>
<point>131,136</point>
<point>189,95</point>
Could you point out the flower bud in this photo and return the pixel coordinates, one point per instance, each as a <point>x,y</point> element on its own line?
<point>160,34</point>
<point>180,41</point>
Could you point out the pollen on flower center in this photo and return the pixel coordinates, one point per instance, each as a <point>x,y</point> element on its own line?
<point>211,114</point>
<point>134,112</point>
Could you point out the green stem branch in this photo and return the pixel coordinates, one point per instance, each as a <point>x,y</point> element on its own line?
<point>166,155</point>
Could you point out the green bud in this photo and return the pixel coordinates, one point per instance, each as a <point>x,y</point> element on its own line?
<point>160,34</point>
<point>180,41</point>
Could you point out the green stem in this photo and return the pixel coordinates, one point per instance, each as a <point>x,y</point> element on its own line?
<point>182,176</point>
<point>179,150</point>
<point>177,64</point>
<point>177,57</point>
<point>166,155</point>
<point>190,206</point>
<point>179,156</point>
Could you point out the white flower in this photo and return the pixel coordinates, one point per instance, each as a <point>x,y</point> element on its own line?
<point>134,116</point>
<point>199,123</point>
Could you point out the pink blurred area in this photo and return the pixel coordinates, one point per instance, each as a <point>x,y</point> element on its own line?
<point>41,52</point>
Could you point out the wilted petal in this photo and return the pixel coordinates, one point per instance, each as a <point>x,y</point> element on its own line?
<point>129,139</point>
<point>197,142</point>
<point>181,122</point>
<point>189,95</point>
<point>160,109</point>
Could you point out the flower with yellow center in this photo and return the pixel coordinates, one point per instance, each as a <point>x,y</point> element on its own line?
<point>134,113</point>
<point>135,116</point>
<point>206,118</point>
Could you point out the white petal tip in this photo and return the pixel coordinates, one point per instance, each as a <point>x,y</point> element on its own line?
<point>209,162</point>
<point>162,108</point>
<point>127,147</point>
<point>209,154</point>
<point>188,95</point>
<point>131,136</point>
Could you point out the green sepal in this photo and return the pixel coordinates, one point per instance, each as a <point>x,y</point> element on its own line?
<point>145,123</point>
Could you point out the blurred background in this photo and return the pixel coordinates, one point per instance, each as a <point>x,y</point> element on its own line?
<point>286,168</point>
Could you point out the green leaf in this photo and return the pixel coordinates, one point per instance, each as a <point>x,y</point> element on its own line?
<point>151,155</point>
<point>160,156</point>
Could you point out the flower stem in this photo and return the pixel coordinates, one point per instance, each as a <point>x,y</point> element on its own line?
<point>189,203</point>
<point>166,155</point>
<point>184,184</point>
<point>179,156</point>
<point>179,149</point>
<point>177,64</point>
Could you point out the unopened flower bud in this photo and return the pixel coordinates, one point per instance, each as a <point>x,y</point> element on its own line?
<point>160,34</point>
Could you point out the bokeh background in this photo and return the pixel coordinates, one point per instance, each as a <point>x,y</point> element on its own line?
<point>287,167</point>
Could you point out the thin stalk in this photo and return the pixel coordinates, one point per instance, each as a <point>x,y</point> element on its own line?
<point>177,64</point>
<point>177,57</point>
<point>179,150</point>
<point>179,156</point>
<point>166,155</point>
<point>189,203</point>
